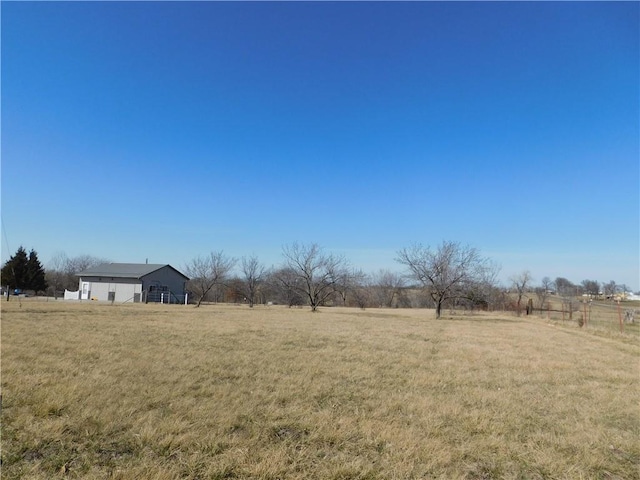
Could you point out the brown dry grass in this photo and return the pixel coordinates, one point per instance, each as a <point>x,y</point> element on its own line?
<point>165,392</point>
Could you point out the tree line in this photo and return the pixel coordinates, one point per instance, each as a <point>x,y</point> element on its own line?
<point>450,275</point>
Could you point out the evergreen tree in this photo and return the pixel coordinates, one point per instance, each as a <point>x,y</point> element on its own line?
<point>14,271</point>
<point>35,274</point>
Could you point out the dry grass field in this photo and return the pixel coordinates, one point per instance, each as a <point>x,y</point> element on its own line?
<point>165,392</point>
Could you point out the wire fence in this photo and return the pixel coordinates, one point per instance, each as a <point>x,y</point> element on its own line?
<point>622,317</point>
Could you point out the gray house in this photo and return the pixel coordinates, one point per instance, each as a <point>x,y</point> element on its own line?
<point>133,282</point>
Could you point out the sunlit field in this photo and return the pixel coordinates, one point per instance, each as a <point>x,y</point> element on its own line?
<point>97,391</point>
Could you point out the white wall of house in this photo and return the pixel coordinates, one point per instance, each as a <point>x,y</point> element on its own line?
<point>116,289</point>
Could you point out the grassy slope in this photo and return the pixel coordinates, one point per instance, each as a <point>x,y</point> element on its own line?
<point>135,391</point>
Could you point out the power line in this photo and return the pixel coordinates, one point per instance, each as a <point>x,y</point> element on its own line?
<point>4,233</point>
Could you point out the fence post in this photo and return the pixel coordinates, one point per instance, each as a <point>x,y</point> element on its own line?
<point>620,318</point>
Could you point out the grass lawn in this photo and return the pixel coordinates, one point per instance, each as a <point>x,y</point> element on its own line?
<point>99,391</point>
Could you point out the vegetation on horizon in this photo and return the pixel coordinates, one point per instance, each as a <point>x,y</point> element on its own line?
<point>451,275</point>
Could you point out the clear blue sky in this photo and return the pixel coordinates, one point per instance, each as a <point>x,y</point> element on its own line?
<point>168,130</point>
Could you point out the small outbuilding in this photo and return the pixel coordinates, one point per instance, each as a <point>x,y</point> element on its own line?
<point>133,282</point>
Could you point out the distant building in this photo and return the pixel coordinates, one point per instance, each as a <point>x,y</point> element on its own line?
<point>132,282</point>
<point>631,296</point>
<point>624,296</point>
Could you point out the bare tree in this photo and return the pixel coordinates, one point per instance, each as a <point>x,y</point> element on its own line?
<point>55,273</point>
<point>388,286</point>
<point>361,294</point>
<point>315,273</point>
<point>61,271</point>
<point>564,287</point>
<point>483,292</point>
<point>591,287</point>
<point>82,262</point>
<point>347,282</point>
<point>520,284</point>
<point>286,286</point>
<point>543,291</point>
<point>548,284</point>
<point>254,274</point>
<point>207,272</point>
<point>78,264</point>
<point>447,272</point>
<point>610,289</point>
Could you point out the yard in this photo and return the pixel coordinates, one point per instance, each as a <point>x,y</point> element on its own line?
<point>98,391</point>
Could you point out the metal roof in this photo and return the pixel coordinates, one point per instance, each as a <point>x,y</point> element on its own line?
<point>125,270</point>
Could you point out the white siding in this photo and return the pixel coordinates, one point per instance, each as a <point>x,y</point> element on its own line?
<point>124,290</point>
